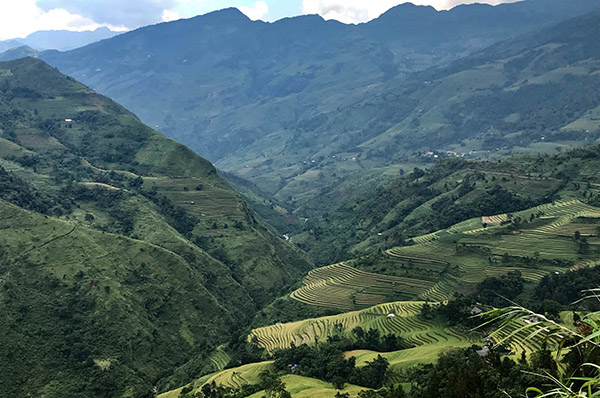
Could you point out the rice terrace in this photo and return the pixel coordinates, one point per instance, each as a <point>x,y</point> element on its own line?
<point>458,258</point>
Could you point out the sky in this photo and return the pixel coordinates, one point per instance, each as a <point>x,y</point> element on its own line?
<point>18,18</point>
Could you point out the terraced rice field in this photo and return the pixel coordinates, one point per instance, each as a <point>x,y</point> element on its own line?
<point>562,212</point>
<point>298,386</point>
<point>521,342</point>
<point>406,323</point>
<point>205,201</point>
<point>344,287</point>
<point>305,387</point>
<point>219,359</point>
<point>549,237</point>
<point>441,291</point>
<point>237,377</point>
<point>458,258</point>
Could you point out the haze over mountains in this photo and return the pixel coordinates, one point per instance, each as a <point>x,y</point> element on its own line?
<point>61,40</point>
<point>275,102</point>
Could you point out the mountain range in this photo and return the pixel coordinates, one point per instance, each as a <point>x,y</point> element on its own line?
<point>302,104</point>
<point>61,40</point>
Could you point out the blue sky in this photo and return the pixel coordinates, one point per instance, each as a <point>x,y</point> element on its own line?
<point>19,18</point>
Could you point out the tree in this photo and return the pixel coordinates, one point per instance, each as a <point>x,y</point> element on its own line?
<point>273,386</point>
<point>372,375</point>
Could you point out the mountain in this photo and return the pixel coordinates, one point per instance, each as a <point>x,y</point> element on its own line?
<point>18,52</point>
<point>535,93</point>
<point>61,40</point>
<point>9,44</point>
<point>275,102</point>
<point>125,259</point>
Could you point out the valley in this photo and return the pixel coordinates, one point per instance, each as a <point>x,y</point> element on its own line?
<point>407,207</point>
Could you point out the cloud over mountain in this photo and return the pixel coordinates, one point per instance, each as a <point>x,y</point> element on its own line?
<point>115,12</point>
<point>356,11</point>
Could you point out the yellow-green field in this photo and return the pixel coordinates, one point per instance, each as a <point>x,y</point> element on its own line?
<point>406,323</point>
<point>298,386</point>
<point>341,286</point>
<point>429,338</point>
<point>306,387</point>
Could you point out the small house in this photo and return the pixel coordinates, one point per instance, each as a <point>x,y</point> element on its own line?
<point>476,311</point>
<point>391,316</point>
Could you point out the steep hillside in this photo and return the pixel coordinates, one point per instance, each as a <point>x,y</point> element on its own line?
<point>293,105</point>
<point>537,93</point>
<point>123,254</point>
<point>535,242</point>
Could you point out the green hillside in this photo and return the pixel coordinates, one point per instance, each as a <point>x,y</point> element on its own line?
<point>123,254</point>
<point>428,337</point>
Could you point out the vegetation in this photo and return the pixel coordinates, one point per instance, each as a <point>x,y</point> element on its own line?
<point>501,255</point>
<point>581,342</point>
<point>111,272</point>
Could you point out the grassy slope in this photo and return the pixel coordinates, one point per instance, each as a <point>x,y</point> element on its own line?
<point>298,386</point>
<point>73,295</point>
<point>85,176</point>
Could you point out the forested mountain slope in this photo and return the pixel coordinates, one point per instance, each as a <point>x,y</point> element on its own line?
<point>279,103</point>
<point>123,254</point>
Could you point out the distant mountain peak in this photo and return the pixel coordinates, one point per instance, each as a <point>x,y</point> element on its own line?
<point>18,52</point>
<point>230,14</point>
<point>409,9</point>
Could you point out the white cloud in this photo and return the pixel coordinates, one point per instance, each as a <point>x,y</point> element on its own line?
<point>348,11</point>
<point>130,13</point>
<point>356,11</point>
<point>257,11</point>
<point>22,17</point>
<point>168,16</point>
